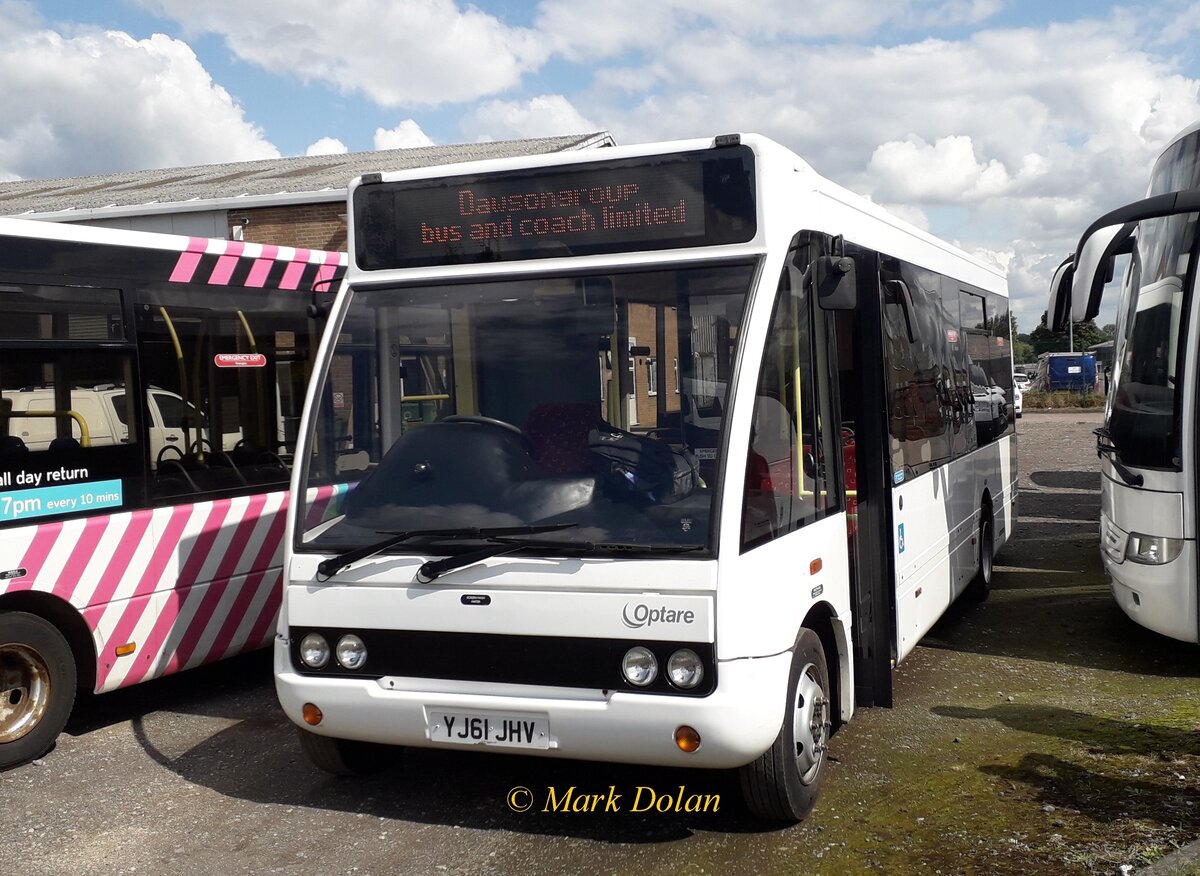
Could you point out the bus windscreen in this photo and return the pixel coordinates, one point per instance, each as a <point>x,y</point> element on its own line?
<point>685,199</point>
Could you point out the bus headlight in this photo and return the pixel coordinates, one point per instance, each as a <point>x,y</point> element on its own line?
<point>1152,550</point>
<point>639,666</point>
<point>351,652</point>
<point>314,650</point>
<point>685,668</point>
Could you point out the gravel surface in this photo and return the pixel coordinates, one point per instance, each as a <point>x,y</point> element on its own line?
<point>1040,732</point>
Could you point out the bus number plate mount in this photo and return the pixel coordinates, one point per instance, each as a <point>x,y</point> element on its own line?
<point>501,729</point>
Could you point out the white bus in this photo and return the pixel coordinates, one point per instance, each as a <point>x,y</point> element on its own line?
<point>662,454</point>
<point>1148,444</point>
<point>150,394</point>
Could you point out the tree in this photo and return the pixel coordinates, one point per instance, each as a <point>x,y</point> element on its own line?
<point>1086,333</point>
<point>1022,350</point>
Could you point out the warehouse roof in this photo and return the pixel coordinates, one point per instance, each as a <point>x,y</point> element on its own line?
<point>261,183</point>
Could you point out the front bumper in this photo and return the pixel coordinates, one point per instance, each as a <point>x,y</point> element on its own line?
<point>737,722</point>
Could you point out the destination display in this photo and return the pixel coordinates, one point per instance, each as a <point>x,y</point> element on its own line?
<point>658,202</point>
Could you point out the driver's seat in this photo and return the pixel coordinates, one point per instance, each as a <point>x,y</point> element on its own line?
<point>558,432</point>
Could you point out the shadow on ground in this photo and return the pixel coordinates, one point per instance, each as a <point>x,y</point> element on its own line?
<point>457,789</point>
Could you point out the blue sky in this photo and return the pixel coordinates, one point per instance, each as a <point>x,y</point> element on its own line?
<point>1002,125</point>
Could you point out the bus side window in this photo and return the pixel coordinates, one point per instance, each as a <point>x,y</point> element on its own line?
<point>786,483</point>
<point>63,449</point>
<point>998,362</point>
<point>221,367</point>
<point>919,379</point>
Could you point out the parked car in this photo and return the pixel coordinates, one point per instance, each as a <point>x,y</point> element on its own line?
<point>1021,380</point>
<point>1018,397</point>
<point>99,416</point>
<point>991,407</point>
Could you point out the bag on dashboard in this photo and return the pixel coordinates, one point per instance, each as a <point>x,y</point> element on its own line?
<point>639,466</point>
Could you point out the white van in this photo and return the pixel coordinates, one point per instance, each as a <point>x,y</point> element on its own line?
<point>99,417</point>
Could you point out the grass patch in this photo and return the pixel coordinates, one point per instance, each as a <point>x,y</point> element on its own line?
<point>1038,400</point>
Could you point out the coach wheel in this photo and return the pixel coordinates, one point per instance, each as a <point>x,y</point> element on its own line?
<point>37,687</point>
<point>784,782</point>
<point>981,584</point>
<point>346,757</point>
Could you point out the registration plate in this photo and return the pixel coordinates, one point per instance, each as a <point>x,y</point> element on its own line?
<point>500,729</point>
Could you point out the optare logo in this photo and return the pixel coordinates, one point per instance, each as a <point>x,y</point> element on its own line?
<point>641,616</point>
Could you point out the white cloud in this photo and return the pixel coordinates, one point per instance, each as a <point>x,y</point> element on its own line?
<point>547,115</point>
<point>946,172</point>
<point>406,135</point>
<point>1008,139</point>
<point>327,146</point>
<point>589,31</point>
<point>97,101</point>
<point>958,12</point>
<point>415,53</point>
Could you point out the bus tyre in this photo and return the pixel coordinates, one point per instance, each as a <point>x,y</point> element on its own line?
<point>783,783</point>
<point>981,584</point>
<point>37,686</point>
<point>346,757</point>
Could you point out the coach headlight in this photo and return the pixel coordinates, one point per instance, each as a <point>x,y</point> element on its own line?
<point>351,652</point>
<point>639,666</point>
<point>1152,550</point>
<point>314,650</point>
<point>685,669</point>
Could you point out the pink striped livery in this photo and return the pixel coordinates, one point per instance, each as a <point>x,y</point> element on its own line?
<point>187,584</point>
<point>253,265</point>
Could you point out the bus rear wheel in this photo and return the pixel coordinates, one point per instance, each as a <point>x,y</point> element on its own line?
<point>784,782</point>
<point>37,686</point>
<point>981,584</point>
<point>346,757</point>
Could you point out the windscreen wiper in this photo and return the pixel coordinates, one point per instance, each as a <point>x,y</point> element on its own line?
<point>506,545</point>
<point>1106,447</point>
<point>330,567</point>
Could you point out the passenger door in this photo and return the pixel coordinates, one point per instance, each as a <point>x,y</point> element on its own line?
<point>792,536</point>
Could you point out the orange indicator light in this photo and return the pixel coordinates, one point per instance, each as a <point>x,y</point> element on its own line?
<point>126,649</point>
<point>687,738</point>
<point>312,715</point>
<point>815,566</point>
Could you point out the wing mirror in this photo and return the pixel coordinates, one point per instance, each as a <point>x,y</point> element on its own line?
<point>836,280</point>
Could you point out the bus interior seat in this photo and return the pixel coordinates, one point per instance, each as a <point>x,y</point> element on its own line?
<point>221,472</point>
<point>558,432</point>
<point>12,444</point>
<point>64,444</point>
<point>172,479</point>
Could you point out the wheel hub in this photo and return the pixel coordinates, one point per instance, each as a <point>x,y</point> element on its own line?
<point>24,690</point>
<point>810,724</point>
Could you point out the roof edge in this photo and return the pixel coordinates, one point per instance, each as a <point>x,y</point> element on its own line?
<point>198,205</point>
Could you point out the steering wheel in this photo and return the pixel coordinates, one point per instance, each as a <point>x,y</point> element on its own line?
<point>491,421</point>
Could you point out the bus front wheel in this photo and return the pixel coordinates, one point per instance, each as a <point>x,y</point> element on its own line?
<point>37,686</point>
<point>346,757</point>
<point>784,782</point>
